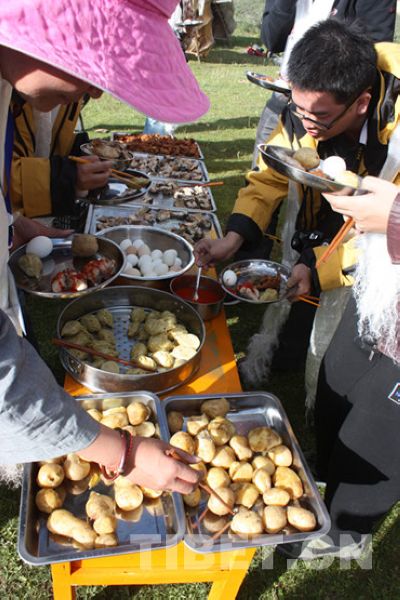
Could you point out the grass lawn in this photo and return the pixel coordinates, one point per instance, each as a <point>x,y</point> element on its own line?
<point>226,136</point>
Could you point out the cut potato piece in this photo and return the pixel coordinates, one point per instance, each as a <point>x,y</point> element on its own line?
<point>287,479</point>
<point>240,471</point>
<point>137,412</point>
<point>196,424</point>
<point>301,518</point>
<point>215,408</point>
<point>183,352</point>
<point>240,445</point>
<point>175,421</point>
<point>281,456</point>
<point>247,523</point>
<point>216,506</point>
<point>262,439</point>
<point>184,441</point>
<point>274,518</point>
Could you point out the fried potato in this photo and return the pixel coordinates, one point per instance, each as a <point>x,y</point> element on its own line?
<point>262,439</point>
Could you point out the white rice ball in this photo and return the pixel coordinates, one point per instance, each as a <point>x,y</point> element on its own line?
<point>40,245</point>
<point>230,278</point>
<point>160,269</point>
<point>333,166</point>
<point>144,249</point>
<point>125,244</point>
<point>156,254</point>
<point>170,256</point>
<point>132,259</point>
<point>138,243</point>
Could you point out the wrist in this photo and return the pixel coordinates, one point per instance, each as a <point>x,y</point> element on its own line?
<point>233,240</point>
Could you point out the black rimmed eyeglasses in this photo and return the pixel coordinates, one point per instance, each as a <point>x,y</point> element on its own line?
<point>293,109</point>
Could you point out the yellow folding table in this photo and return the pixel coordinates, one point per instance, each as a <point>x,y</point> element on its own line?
<point>226,570</point>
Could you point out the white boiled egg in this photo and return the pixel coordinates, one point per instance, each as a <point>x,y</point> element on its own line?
<point>169,257</point>
<point>41,245</point>
<point>125,244</point>
<point>333,166</point>
<point>138,243</point>
<point>156,254</point>
<point>143,249</point>
<point>132,259</point>
<point>160,269</point>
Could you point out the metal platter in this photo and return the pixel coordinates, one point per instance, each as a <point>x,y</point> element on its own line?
<point>121,164</point>
<point>249,410</point>
<point>177,194</point>
<point>116,192</point>
<point>184,169</point>
<point>120,300</point>
<point>155,524</point>
<point>253,271</point>
<point>186,223</point>
<point>154,140</point>
<point>268,83</point>
<point>281,160</point>
<point>61,258</point>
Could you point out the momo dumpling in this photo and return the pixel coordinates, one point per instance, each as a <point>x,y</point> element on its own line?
<point>154,326</point>
<point>159,342</point>
<point>133,328</point>
<point>164,359</point>
<point>91,323</point>
<point>187,339</point>
<point>147,362</point>
<point>102,346</point>
<point>138,314</point>
<point>139,349</point>
<point>31,265</point>
<point>105,317</point>
<point>107,336</point>
<point>71,328</point>
<point>110,366</point>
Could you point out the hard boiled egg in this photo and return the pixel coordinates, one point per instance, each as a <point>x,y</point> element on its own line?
<point>41,246</point>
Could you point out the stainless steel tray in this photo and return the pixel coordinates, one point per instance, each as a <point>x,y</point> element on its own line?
<point>116,135</point>
<point>120,300</point>
<point>175,194</point>
<point>253,271</point>
<point>249,410</point>
<point>61,258</point>
<point>162,530</point>
<point>101,217</point>
<point>152,163</point>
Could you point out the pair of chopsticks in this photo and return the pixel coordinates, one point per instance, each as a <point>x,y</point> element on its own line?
<point>118,174</point>
<point>128,363</point>
<point>173,454</point>
<point>337,240</point>
<point>203,184</point>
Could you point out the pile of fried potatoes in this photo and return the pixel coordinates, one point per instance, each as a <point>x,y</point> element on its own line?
<point>253,474</point>
<point>60,479</point>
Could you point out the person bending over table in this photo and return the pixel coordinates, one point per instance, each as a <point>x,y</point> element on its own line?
<point>38,419</point>
<point>343,103</point>
<point>43,180</point>
<point>358,398</point>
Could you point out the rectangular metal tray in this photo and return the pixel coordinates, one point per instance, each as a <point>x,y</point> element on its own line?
<point>141,159</point>
<point>162,530</point>
<point>164,198</point>
<point>249,410</point>
<point>123,214</point>
<point>115,136</point>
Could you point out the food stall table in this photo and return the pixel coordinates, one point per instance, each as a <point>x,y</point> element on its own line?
<point>179,564</point>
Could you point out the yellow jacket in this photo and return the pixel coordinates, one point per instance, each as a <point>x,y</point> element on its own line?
<point>266,188</point>
<point>43,186</point>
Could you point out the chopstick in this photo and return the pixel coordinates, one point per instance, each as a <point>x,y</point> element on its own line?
<point>202,184</point>
<point>83,161</point>
<point>173,454</point>
<point>341,234</point>
<point>308,301</point>
<point>129,363</point>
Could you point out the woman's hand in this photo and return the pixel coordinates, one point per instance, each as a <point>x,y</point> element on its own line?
<point>25,229</point>
<point>154,469</point>
<point>93,174</point>
<point>370,211</point>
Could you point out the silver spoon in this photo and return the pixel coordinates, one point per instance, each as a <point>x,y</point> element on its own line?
<point>196,286</point>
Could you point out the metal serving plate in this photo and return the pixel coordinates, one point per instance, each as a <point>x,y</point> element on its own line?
<point>160,530</point>
<point>117,135</point>
<point>161,195</point>
<point>268,83</point>
<point>279,158</point>
<point>99,218</point>
<point>120,300</point>
<point>118,163</point>
<point>249,410</point>
<point>251,270</point>
<point>117,192</point>
<point>152,163</point>
<point>61,258</point>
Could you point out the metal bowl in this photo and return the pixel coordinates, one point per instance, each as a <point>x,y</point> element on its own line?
<point>61,258</point>
<point>119,300</point>
<point>154,238</point>
<point>281,160</point>
<point>250,271</point>
<point>121,164</point>
<point>208,308</point>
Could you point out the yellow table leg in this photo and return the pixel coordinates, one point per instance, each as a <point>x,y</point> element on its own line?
<point>62,588</point>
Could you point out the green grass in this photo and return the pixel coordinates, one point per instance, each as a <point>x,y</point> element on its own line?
<point>226,135</point>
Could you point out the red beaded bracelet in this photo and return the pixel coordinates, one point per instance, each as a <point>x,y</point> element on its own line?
<point>128,446</point>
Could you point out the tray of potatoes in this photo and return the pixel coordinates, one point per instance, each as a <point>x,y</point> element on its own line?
<point>251,458</point>
<point>69,512</point>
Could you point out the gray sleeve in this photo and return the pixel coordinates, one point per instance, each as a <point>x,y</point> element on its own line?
<point>38,419</point>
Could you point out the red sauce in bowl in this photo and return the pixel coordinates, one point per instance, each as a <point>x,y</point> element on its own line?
<point>205,296</point>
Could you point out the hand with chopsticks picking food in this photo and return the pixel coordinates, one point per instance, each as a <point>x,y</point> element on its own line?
<point>93,173</point>
<point>370,211</point>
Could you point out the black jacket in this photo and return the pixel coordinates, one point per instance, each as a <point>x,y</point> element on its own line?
<point>377,16</point>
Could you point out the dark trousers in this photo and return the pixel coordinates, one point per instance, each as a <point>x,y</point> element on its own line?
<point>357,419</point>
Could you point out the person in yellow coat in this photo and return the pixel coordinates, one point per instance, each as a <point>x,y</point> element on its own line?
<point>43,180</point>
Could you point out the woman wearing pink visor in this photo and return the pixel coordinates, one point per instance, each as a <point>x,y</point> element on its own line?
<point>52,53</point>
